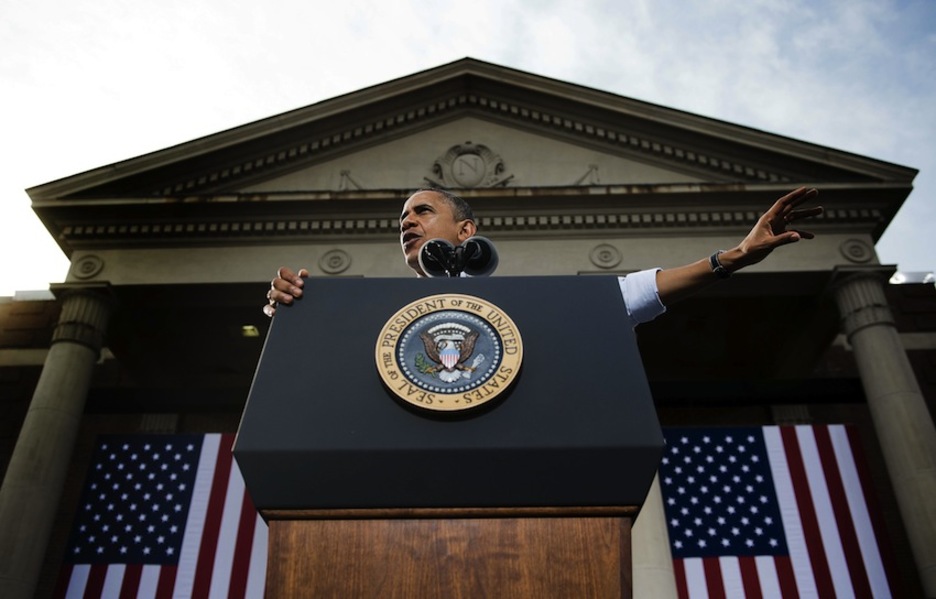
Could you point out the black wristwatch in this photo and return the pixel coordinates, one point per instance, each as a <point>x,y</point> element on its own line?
<point>717,267</point>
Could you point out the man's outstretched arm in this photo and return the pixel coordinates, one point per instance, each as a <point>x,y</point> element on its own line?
<point>770,232</point>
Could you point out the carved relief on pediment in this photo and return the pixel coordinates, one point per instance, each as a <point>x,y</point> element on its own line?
<point>469,165</point>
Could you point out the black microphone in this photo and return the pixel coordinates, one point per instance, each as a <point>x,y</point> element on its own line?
<point>437,259</point>
<point>476,257</point>
<point>479,258</point>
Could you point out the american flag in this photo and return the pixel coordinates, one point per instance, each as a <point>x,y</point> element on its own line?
<point>165,516</point>
<point>773,512</point>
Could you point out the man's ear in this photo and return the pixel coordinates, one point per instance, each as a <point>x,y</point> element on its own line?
<point>467,230</point>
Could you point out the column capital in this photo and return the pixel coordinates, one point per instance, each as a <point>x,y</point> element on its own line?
<point>859,294</point>
<point>86,309</point>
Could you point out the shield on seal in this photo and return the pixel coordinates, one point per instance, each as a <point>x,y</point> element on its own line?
<point>449,355</point>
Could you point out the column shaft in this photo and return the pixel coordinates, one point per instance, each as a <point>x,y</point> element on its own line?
<point>652,561</point>
<point>902,421</point>
<point>33,484</point>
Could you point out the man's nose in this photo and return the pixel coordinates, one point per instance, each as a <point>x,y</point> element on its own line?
<point>407,223</point>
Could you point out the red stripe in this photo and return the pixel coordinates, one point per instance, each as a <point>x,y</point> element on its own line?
<point>894,580</point>
<point>95,586</point>
<point>713,578</point>
<point>807,513</point>
<point>679,572</point>
<point>786,577</point>
<point>843,518</point>
<point>242,549</point>
<point>750,578</point>
<point>209,541</point>
<point>61,585</point>
<point>131,581</point>
<point>165,588</point>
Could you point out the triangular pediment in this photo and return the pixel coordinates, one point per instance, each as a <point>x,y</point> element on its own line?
<point>564,154</point>
<point>407,124</point>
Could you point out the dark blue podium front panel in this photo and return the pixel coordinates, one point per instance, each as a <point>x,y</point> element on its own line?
<point>578,428</point>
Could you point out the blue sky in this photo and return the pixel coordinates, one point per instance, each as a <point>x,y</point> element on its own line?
<point>88,83</point>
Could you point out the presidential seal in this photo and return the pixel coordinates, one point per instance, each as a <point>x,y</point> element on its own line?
<point>449,352</point>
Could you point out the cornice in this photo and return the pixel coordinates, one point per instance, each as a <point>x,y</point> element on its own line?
<point>616,222</point>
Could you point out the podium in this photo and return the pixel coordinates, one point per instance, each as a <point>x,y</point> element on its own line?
<point>531,494</point>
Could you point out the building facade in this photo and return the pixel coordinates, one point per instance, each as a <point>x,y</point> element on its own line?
<point>158,326</point>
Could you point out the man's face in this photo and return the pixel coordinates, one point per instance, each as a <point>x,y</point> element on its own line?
<point>427,215</point>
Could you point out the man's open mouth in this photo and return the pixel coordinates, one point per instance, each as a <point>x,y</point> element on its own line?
<point>408,239</point>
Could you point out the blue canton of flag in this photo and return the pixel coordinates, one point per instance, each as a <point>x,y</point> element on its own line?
<point>136,501</point>
<point>720,496</point>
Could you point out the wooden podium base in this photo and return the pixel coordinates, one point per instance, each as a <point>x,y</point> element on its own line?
<point>450,553</point>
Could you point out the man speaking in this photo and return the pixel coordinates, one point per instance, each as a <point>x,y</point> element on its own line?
<point>439,214</point>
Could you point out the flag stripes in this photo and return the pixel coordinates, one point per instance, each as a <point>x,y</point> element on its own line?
<point>223,547</point>
<point>833,544</point>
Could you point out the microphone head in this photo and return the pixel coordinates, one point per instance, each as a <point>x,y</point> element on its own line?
<point>480,257</point>
<point>437,258</point>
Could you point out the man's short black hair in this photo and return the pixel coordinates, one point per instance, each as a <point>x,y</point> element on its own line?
<point>460,208</point>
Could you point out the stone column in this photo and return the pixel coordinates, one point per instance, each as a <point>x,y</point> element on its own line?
<point>32,488</point>
<point>652,561</point>
<point>903,423</point>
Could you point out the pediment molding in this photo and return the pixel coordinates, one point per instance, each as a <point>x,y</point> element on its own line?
<point>705,148</point>
<point>612,139</point>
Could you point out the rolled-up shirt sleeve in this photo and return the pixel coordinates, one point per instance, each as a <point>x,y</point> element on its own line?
<point>641,296</point>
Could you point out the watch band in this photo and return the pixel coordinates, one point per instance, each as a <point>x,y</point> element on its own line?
<point>717,267</point>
